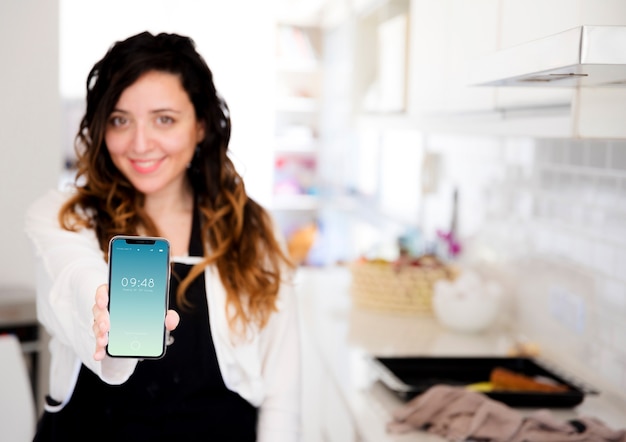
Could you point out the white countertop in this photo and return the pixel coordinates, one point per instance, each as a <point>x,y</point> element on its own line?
<point>346,338</point>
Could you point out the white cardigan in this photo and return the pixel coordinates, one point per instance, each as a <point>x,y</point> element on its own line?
<point>264,368</point>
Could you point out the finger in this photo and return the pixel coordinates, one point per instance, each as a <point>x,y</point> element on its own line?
<point>100,321</point>
<point>100,325</point>
<point>102,296</point>
<point>99,354</point>
<point>101,341</point>
<point>171,320</point>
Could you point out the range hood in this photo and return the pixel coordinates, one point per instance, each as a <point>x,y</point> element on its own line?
<point>585,56</point>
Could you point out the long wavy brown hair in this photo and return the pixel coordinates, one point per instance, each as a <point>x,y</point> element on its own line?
<point>237,233</point>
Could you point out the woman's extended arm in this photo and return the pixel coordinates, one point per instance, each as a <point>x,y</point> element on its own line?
<point>70,267</point>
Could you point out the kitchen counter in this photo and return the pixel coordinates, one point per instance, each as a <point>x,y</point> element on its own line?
<point>356,406</point>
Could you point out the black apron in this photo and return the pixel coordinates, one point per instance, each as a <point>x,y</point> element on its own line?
<point>181,397</point>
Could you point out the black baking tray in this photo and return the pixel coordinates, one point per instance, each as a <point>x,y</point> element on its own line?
<point>411,376</point>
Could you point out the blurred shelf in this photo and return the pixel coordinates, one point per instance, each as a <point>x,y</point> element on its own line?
<point>298,72</point>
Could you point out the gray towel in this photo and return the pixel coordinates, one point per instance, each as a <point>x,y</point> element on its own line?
<point>457,414</point>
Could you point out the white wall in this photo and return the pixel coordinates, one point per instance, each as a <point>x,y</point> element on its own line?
<point>30,151</point>
<point>236,38</point>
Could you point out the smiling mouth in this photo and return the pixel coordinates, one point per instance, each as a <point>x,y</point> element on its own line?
<point>146,166</point>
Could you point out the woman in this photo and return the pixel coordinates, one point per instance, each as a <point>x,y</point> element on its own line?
<point>152,160</point>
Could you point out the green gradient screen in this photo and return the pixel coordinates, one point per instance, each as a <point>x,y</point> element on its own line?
<point>138,293</point>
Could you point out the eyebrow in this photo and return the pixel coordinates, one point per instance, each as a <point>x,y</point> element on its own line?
<point>155,111</point>
<point>166,109</point>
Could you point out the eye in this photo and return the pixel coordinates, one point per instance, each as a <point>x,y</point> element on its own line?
<point>165,119</point>
<point>117,121</point>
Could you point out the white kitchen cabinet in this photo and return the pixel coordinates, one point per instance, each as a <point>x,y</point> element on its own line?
<point>411,57</point>
<point>380,54</point>
<point>449,37</point>
<point>600,113</point>
<point>523,21</point>
<point>472,34</point>
<point>446,39</point>
<point>427,56</point>
<point>445,36</point>
<point>526,20</point>
<point>606,12</point>
<point>441,38</point>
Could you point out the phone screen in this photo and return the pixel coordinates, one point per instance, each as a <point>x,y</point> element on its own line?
<point>139,271</point>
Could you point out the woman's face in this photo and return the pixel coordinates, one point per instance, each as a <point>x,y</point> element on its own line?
<point>152,133</point>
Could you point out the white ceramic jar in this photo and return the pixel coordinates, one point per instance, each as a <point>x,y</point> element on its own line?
<point>467,304</point>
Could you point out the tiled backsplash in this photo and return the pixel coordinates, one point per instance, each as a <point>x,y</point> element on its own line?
<point>551,215</point>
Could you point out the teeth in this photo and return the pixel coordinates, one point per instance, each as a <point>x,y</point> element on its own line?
<point>145,164</point>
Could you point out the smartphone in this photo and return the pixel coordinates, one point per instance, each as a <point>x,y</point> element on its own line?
<point>139,276</point>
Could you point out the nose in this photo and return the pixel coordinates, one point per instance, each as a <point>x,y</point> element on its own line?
<point>141,139</point>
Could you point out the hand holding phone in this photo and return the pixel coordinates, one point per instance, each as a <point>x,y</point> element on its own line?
<point>139,272</point>
<point>101,321</point>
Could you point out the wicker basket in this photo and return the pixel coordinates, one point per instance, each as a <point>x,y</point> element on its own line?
<point>384,287</point>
